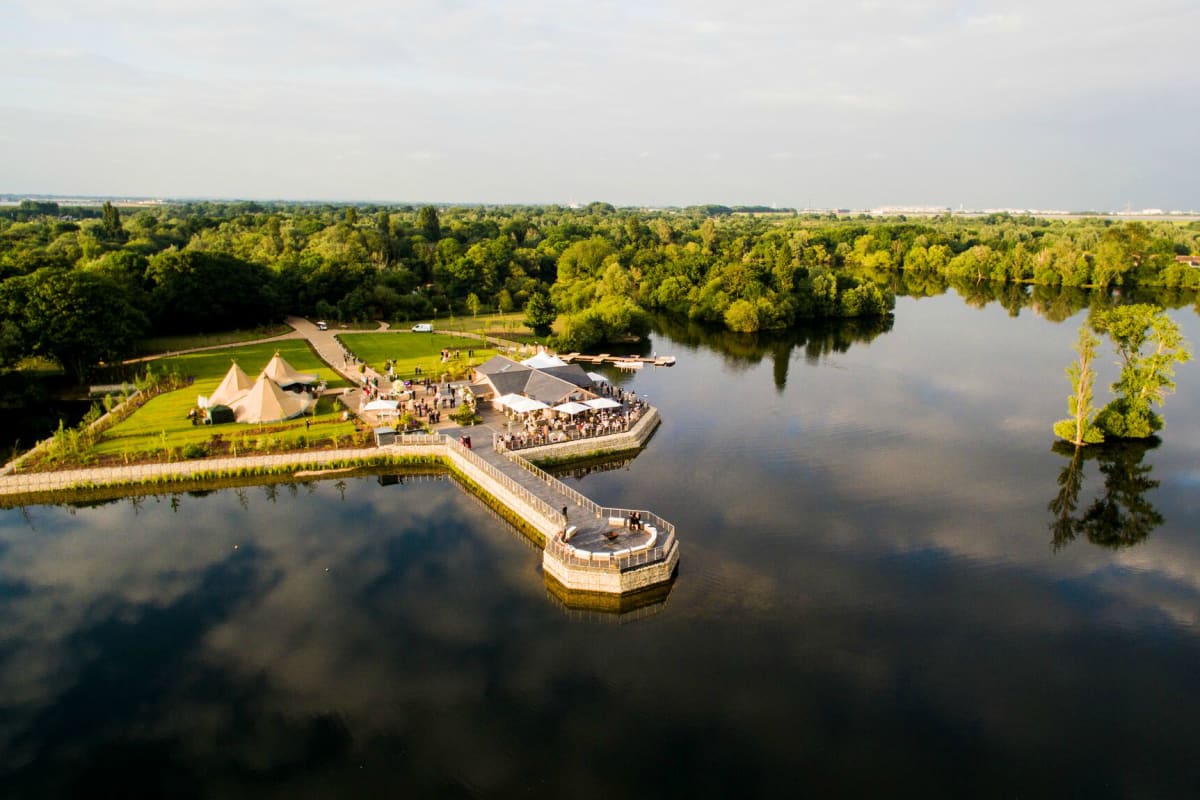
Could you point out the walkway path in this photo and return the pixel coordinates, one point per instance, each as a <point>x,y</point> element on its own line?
<point>591,532</point>
<point>301,329</point>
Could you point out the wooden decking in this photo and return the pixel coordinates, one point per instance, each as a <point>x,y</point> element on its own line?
<point>608,358</point>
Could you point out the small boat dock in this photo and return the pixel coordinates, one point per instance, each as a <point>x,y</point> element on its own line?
<point>625,362</point>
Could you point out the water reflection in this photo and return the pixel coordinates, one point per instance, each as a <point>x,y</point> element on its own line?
<point>1121,516</point>
<point>815,338</point>
<point>1055,303</point>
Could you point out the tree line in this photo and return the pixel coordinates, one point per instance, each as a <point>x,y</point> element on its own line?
<point>83,285</point>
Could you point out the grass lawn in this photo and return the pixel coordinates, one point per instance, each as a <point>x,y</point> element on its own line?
<point>162,423</point>
<point>512,322</point>
<point>170,344</point>
<point>210,366</point>
<point>410,350</point>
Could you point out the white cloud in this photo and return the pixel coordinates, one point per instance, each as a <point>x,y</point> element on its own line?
<point>571,87</point>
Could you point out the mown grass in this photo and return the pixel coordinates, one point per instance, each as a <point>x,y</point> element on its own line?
<point>502,325</point>
<point>171,344</point>
<point>162,424</point>
<point>410,350</point>
<point>210,366</point>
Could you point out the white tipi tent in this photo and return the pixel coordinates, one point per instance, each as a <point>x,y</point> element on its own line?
<point>232,388</point>
<point>280,371</point>
<point>266,402</point>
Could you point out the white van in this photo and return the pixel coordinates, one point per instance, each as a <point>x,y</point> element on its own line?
<point>422,327</point>
<point>321,326</point>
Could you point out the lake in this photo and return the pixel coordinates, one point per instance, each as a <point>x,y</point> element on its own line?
<point>889,583</point>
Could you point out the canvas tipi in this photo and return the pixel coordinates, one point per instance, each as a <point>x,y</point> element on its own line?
<point>266,402</point>
<point>232,388</point>
<point>280,371</point>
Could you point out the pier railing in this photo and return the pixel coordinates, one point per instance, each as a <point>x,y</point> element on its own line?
<point>605,562</point>
<point>600,512</point>
<point>623,424</point>
<point>508,483</point>
<point>551,481</point>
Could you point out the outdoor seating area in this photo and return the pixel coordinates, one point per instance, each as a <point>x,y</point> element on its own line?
<point>542,424</point>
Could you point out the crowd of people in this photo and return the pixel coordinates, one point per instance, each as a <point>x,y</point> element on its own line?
<point>551,427</point>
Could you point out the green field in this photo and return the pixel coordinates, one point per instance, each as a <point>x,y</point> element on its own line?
<point>210,366</point>
<point>410,350</point>
<point>162,423</point>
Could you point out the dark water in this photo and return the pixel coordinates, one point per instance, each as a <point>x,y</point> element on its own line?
<point>875,597</point>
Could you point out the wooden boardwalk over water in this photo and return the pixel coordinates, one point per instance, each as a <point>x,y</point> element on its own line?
<point>608,358</point>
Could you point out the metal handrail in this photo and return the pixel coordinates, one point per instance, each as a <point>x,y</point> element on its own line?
<point>647,517</point>
<point>580,499</point>
<point>551,481</point>
<point>603,562</point>
<point>508,483</point>
<point>573,436</point>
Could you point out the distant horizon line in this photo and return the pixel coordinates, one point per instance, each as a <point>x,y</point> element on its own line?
<point>13,198</point>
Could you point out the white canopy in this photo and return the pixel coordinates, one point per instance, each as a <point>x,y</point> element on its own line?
<point>382,405</point>
<point>602,402</point>
<point>544,361</point>
<point>597,377</point>
<point>506,400</point>
<point>526,405</point>
<point>572,408</point>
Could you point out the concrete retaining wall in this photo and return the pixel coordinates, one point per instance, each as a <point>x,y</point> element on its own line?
<point>28,482</point>
<point>547,527</point>
<point>584,579</point>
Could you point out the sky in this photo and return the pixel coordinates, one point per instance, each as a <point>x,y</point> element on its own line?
<point>1053,104</point>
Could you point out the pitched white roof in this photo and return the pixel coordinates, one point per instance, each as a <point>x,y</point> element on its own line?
<point>572,408</point>
<point>544,361</point>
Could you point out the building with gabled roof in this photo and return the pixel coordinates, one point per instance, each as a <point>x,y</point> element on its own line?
<point>500,375</point>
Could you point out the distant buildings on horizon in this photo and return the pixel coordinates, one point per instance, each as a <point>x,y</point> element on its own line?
<point>12,199</point>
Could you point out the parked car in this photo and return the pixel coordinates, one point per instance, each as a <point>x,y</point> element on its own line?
<point>422,327</point>
<point>322,326</point>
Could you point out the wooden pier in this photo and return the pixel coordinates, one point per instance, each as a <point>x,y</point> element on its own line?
<point>587,548</point>
<point>608,358</point>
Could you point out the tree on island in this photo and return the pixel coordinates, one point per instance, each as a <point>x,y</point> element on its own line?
<point>1079,428</point>
<point>1146,378</point>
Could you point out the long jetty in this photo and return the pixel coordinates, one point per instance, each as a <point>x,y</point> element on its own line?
<point>608,358</point>
<point>588,548</point>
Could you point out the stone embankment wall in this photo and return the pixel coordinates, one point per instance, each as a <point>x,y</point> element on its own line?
<point>611,581</point>
<point>157,474</point>
<point>161,473</point>
<point>633,439</point>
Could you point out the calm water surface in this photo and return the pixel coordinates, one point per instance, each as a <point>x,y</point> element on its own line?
<point>875,595</point>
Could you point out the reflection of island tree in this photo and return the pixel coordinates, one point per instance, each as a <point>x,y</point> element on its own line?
<point>743,350</point>
<point>1121,516</point>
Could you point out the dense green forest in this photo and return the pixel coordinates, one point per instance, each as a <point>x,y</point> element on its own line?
<point>83,285</point>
